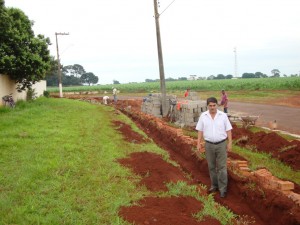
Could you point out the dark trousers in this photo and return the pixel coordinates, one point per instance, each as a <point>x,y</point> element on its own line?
<point>216,156</point>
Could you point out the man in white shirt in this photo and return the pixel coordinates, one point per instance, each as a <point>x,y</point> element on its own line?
<point>215,128</point>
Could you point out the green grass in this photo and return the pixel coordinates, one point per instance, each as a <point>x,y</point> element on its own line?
<point>58,164</point>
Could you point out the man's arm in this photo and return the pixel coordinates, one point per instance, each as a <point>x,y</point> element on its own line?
<point>199,146</point>
<point>229,142</point>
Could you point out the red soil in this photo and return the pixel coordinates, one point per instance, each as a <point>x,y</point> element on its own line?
<point>153,170</point>
<point>131,136</point>
<point>165,211</point>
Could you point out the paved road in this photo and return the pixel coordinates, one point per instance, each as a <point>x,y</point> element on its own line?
<point>287,118</point>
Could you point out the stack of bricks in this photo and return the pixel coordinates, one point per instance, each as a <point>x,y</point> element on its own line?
<point>265,179</point>
<point>187,112</point>
<point>240,165</point>
<point>152,104</point>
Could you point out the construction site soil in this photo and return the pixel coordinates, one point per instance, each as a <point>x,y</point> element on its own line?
<point>258,204</point>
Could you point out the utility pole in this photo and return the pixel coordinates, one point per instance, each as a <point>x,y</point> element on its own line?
<point>59,65</point>
<point>161,63</point>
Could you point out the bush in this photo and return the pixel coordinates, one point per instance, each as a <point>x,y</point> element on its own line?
<point>46,94</point>
<point>31,95</point>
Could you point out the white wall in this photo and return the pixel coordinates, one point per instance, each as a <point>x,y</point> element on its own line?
<point>8,86</point>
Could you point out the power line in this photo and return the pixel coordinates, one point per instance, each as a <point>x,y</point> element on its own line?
<point>167,7</point>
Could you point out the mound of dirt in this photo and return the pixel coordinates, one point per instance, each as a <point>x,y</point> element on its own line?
<point>165,211</point>
<point>155,171</point>
<point>277,146</point>
<point>130,135</point>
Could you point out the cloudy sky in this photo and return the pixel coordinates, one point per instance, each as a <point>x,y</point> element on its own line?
<point>116,39</point>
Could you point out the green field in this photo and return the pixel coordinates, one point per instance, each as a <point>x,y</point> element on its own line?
<point>253,84</point>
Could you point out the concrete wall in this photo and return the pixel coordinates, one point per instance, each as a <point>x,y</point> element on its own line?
<point>8,86</point>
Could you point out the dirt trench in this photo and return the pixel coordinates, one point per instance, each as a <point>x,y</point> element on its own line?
<point>252,201</point>
<point>263,206</point>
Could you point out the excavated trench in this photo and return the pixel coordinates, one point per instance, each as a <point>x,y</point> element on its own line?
<point>265,206</point>
<point>247,197</point>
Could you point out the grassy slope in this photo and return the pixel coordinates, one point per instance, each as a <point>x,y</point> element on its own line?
<point>58,165</point>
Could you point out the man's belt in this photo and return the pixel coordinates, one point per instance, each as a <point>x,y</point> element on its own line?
<point>215,143</point>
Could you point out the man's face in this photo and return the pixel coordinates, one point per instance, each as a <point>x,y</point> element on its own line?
<point>212,107</point>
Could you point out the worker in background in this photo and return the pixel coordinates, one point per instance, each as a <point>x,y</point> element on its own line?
<point>115,92</point>
<point>224,101</point>
<point>105,100</point>
<point>215,128</point>
<point>186,93</point>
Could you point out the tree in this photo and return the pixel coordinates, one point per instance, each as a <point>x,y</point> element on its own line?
<point>116,82</point>
<point>52,75</point>
<point>150,80</point>
<point>89,78</point>
<point>23,57</point>
<point>248,75</point>
<point>76,70</point>
<point>229,76</point>
<point>182,78</point>
<point>211,77</point>
<point>275,72</point>
<point>220,76</point>
<point>260,75</point>
<point>170,79</point>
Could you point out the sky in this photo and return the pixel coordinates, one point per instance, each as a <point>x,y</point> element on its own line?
<point>116,39</point>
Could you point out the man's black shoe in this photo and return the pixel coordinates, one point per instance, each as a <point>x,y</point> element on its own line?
<point>212,190</point>
<point>223,194</point>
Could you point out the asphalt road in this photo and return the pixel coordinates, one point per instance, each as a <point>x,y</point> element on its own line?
<point>287,118</point>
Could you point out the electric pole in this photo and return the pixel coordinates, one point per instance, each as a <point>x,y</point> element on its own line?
<point>161,63</point>
<point>59,65</point>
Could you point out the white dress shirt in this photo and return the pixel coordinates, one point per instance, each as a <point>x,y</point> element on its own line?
<point>214,130</point>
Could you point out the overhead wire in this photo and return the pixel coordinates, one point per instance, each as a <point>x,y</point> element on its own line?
<point>167,7</point>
